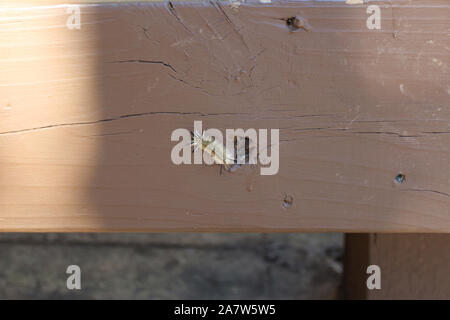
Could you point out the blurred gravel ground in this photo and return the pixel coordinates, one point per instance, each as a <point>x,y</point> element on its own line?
<point>172,266</point>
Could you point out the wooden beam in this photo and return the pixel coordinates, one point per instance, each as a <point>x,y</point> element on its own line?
<point>87,115</point>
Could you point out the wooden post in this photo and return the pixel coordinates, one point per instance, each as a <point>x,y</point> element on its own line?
<point>413,266</point>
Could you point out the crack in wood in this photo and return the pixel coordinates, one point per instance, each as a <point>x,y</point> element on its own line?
<point>145,61</point>
<point>133,115</point>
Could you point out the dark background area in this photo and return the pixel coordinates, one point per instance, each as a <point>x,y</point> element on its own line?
<point>172,266</point>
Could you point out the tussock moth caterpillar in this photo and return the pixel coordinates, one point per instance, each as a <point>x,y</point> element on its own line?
<point>215,149</point>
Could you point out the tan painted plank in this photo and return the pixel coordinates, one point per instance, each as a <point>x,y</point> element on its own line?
<point>85,128</point>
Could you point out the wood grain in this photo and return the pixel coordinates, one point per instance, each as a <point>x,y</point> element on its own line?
<point>86,116</point>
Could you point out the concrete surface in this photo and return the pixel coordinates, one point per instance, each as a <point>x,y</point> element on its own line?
<point>171,266</point>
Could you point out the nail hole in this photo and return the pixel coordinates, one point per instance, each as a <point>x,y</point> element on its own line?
<point>400,178</point>
<point>296,22</point>
<point>293,23</point>
<point>287,201</point>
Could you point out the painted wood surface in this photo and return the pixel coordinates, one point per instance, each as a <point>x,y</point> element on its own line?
<point>86,115</point>
<point>411,266</point>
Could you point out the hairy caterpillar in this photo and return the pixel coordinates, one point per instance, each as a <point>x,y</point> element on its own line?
<point>215,149</point>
